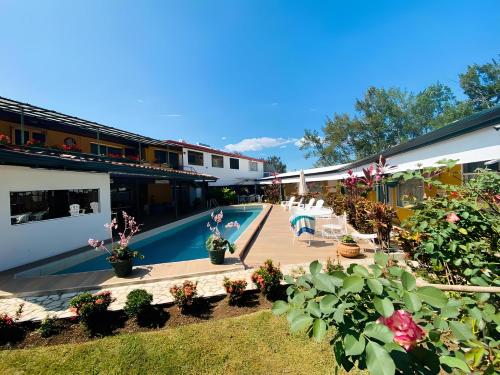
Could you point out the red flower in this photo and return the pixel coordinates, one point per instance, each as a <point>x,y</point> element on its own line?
<point>406,332</point>
<point>452,218</point>
<point>99,301</point>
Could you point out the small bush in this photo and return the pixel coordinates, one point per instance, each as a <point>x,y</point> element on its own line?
<point>48,327</point>
<point>184,294</point>
<point>89,308</point>
<point>267,278</point>
<point>235,289</point>
<point>138,303</point>
<point>10,331</point>
<point>333,266</point>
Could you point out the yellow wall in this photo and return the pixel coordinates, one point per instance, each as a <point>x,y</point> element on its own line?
<point>159,193</point>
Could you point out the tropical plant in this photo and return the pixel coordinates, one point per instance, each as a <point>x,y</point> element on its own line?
<point>337,202</point>
<point>382,321</point>
<point>229,196</point>
<point>90,308</point>
<point>272,192</point>
<point>119,250</point>
<point>347,239</point>
<point>267,278</point>
<point>138,303</point>
<point>235,289</point>
<point>216,241</point>
<point>184,294</point>
<point>381,217</point>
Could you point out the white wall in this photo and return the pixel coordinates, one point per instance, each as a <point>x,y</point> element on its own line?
<point>24,243</point>
<point>226,176</point>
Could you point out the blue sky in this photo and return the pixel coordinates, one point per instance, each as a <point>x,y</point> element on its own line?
<point>242,75</point>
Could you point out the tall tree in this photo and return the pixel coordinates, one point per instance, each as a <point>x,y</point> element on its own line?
<point>481,83</point>
<point>274,164</point>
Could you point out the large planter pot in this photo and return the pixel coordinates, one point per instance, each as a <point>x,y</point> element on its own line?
<point>217,256</point>
<point>122,267</point>
<point>348,250</point>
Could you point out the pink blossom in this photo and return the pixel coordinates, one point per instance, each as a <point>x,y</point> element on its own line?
<point>233,224</point>
<point>406,332</point>
<point>95,243</point>
<point>452,218</point>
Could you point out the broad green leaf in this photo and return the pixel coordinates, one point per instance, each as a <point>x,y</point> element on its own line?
<point>280,307</point>
<point>289,279</point>
<point>412,301</point>
<point>408,281</point>
<point>301,322</point>
<point>376,270</point>
<point>352,284</point>
<point>326,283</point>
<point>354,346</point>
<point>449,312</point>
<point>315,267</point>
<point>432,296</point>
<point>327,303</point>
<point>378,361</point>
<point>292,314</point>
<point>454,362</point>
<point>361,271</point>
<point>463,231</point>
<point>381,259</point>
<point>319,329</point>
<point>379,332</point>
<point>475,356</point>
<point>383,306</point>
<point>461,331</point>
<point>313,309</point>
<point>375,286</point>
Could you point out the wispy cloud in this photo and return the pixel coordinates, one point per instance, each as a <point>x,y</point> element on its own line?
<point>174,115</point>
<point>258,144</point>
<point>299,142</point>
<point>284,146</point>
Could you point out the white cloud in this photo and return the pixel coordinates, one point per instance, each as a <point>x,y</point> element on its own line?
<point>284,146</point>
<point>299,142</point>
<point>257,144</point>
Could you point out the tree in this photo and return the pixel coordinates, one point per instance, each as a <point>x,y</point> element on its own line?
<point>481,83</point>
<point>274,164</point>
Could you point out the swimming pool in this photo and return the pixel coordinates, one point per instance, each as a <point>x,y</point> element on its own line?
<point>183,242</point>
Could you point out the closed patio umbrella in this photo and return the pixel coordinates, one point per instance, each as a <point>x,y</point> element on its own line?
<point>302,184</point>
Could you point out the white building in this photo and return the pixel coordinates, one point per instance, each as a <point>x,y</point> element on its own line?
<point>229,168</point>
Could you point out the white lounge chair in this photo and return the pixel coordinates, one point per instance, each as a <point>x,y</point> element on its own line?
<point>285,204</point>
<point>309,205</point>
<point>337,228</point>
<point>319,204</point>
<point>74,209</point>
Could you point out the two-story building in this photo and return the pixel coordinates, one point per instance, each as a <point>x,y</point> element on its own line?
<point>62,178</point>
<point>230,169</point>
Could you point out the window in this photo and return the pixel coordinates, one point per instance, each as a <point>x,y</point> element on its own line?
<point>195,158</point>
<point>469,169</point>
<point>173,160</point>
<point>253,166</point>
<point>17,137</point>
<point>160,156</point>
<point>217,161</point>
<point>38,137</point>
<point>234,163</point>
<point>105,150</point>
<point>410,192</point>
<point>37,205</point>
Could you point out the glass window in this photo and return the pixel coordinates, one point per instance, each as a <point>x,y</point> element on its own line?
<point>410,192</point>
<point>17,136</point>
<point>160,156</point>
<point>37,205</point>
<point>39,137</point>
<point>195,158</point>
<point>234,163</point>
<point>253,166</point>
<point>173,160</point>
<point>217,161</point>
<point>94,149</point>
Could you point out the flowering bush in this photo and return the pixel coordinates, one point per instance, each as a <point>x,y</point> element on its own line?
<point>73,148</point>
<point>267,278</point>
<point>385,323</point>
<point>89,308</point>
<point>35,143</point>
<point>235,289</point>
<point>119,250</point>
<point>184,294</point>
<point>216,241</point>
<point>4,139</point>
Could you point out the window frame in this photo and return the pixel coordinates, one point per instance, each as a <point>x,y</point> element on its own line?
<point>218,157</point>
<point>231,160</point>
<point>399,200</point>
<point>252,162</point>
<point>195,154</point>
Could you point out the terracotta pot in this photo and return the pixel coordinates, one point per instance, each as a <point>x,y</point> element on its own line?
<point>348,250</point>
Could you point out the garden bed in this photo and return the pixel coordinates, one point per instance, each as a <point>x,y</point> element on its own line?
<point>162,317</point>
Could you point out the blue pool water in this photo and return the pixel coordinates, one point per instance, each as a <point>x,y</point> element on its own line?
<point>185,242</point>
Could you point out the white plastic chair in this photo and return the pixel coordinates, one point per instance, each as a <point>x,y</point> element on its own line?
<point>309,205</point>
<point>74,209</point>
<point>285,204</point>
<point>95,207</point>
<point>319,204</point>
<point>371,237</point>
<point>337,228</point>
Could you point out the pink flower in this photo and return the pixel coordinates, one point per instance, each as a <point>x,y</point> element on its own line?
<point>406,332</point>
<point>95,243</point>
<point>452,218</point>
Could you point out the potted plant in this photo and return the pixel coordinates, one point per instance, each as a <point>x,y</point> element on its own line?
<point>4,139</point>
<point>347,247</point>
<point>121,256</point>
<point>216,244</point>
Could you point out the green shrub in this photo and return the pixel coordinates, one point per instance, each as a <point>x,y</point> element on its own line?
<point>337,202</point>
<point>229,196</point>
<point>382,321</point>
<point>267,278</point>
<point>184,294</point>
<point>138,303</point>
<point>90,308</point>
<point>333,266</point>
<point>235,289</point>
<point>48,327</point>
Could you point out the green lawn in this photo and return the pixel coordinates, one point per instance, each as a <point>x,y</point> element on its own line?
<point>258,343</point>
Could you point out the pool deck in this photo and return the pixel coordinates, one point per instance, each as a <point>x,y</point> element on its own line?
<point>268,237</point>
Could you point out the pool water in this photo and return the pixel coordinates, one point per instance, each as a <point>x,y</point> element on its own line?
<point>184,242</point>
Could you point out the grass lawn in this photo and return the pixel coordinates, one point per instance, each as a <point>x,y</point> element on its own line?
<point>258,343</point>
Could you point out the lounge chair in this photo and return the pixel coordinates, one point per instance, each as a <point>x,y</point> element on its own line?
<point>337,228</point>
<point>309,205</point>
<point>284,204</point>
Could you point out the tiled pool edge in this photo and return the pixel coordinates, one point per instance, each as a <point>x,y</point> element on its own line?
<point>242,243</point>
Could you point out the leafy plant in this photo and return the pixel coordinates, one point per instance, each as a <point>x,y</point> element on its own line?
<point>90,308</point>
<point>382,321</point>
<point>138,303</point>
<point>333,266</point>
<point>184,294</point>
<point>267,278</point>
<point>347,239</point>
<point>48,327</point>
<point>235,289</point>
<point>337,202</point>
<point>216,241</point>
<point>272,192</point>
